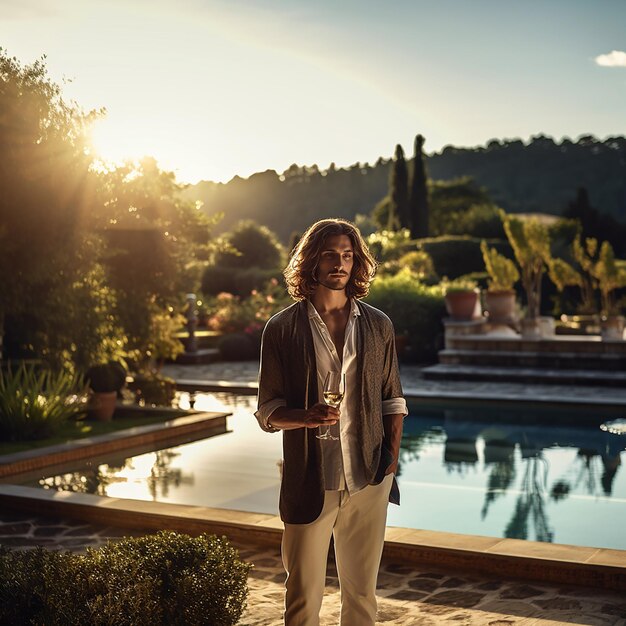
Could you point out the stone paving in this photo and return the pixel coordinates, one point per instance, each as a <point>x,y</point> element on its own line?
<point>407,595</point>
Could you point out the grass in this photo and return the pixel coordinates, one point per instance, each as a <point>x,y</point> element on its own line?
<point>87,428</point>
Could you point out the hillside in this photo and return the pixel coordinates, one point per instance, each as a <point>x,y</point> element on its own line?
<point>541,176</point>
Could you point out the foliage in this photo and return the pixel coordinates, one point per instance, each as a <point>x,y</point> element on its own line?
<point>398,211</point>
<point>585,255</point>
<point>106,377</point>
<point>458,285</point>
<point>35,403</point>
<point>162,343</point>
<point>162,579</point>
<point>418,262</point>
<point>232,314</point>
<point>250,245</point>
<point>418,205</point>
<point>531,245</point>
<point>522,177</point>
<point>455,256</point>
<point>154,389</point>
<point>389,245</point>
<point>415,309</point>
<point>502,271</point>
<point>240,282</point>
<point>610,276</point>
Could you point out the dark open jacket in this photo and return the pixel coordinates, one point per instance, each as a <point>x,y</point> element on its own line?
<point>288,371</point>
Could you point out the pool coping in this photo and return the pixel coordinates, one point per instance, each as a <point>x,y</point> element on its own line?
<point>514,558</point>
<point>546,562</point>
<point>196,423</point>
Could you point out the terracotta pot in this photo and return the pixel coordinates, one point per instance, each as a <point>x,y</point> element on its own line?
<point>102,405</point>
<point>461,305</point>
<point>401,343</point>
<point>612,328</point>
<point>500,305</point>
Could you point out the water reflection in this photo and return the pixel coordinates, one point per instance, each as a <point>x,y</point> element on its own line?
<point>512,454</point>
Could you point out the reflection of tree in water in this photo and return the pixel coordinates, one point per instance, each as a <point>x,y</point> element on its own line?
<point>162,476</point>
<point>413,443</point>
<point>93,480</point>
<point>500,455</point>
<point>594,472</point>
<point>530,505</point>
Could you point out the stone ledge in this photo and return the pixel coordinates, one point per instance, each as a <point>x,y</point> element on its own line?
<point>553,563</point>
<point>195,424</point>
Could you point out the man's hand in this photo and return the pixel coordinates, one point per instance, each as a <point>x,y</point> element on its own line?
<point>320,414</point>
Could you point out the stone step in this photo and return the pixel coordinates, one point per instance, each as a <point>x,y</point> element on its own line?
<point>529,375</point>
<point>506,358</point>
<point>571,344</point>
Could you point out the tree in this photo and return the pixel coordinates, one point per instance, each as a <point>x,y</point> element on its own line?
<point>418,200</point>
<point>398,192</point>
<point>48,194</point>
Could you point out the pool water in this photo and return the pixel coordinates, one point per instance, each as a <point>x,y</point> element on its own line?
<point>502,473</point>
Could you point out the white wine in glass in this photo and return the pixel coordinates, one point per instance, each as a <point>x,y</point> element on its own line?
<point>334,388</point>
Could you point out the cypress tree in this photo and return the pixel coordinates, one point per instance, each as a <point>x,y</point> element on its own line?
<point>418,199</point>
<point>399,192</point>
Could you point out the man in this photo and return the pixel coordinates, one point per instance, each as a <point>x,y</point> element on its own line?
<point>332,487</point>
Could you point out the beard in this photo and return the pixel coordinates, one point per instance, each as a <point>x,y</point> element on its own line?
<point>330,282</point>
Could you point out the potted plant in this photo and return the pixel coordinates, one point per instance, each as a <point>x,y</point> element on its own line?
<point>610,276</point>
<point>531,245</point>
<point>461,299</point>
<point>500,295</point>
<point>105,381</point>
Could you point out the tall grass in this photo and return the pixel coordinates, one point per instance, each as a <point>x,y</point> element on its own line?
<point>34,402</point>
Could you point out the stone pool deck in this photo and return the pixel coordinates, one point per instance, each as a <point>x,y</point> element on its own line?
<point>410,593</point>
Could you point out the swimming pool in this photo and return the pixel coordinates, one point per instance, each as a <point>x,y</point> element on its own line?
<point>504,473</point>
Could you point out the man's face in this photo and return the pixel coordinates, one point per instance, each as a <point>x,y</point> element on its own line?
<point>336,261</point>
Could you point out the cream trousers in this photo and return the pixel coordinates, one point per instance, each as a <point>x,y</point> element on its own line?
<point>357,524</point>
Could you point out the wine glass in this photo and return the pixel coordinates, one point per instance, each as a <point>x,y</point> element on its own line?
<point>334,388</point>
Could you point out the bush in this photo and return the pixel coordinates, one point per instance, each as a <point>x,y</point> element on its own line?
<point>415,309</point>
<point>106,377</point>
<point>454,256</point>
<point>162,579</point>
<point>250,245</point>
<point>240,282</point>
<point>34,404</point>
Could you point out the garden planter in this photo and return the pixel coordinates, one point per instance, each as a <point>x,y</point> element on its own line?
<point>461,305</point>
<point>500,305</point>
<point>102,405</point>
<point>402,341</point>
<point>612,328</point>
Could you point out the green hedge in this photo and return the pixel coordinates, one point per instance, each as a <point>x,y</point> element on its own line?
<point>164,579</point>
<point>240,282</point>
<point>455,256</point>
<point>415,309</point>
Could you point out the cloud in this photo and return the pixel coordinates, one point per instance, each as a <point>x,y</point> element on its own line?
<point>616,58</point>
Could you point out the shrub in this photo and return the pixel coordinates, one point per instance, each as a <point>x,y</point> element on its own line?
<point>250,245</point>
<point>34,404</point>
<point>415,309</point>
<point>454,256</point>
<point>105,377</point>
<point>162,579</point>
<point>240,282</point>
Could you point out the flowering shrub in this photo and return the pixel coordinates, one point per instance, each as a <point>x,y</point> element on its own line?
<point>233,314</point>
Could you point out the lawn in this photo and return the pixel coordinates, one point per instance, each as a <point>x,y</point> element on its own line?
<point>89,428</point>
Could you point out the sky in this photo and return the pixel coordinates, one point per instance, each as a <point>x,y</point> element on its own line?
<point>218,88</point>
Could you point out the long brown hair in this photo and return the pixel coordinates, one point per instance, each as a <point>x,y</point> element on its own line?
<point>300,271</point>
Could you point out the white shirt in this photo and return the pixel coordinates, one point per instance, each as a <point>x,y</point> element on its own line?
<point>341,459</point>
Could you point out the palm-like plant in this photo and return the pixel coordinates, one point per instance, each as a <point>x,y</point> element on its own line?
<point>34,403</point>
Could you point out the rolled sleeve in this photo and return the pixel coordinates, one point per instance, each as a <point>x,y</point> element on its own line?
<point>395,406</point>
<point>265,411</point>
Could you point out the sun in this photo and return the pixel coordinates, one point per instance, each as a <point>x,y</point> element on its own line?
<point>115,141</point>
